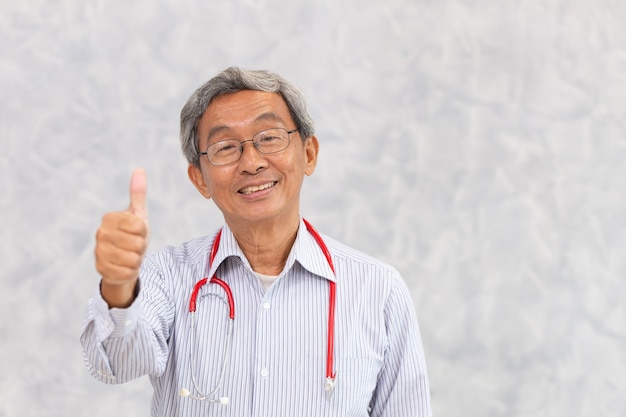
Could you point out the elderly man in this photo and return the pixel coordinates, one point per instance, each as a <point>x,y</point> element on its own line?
<point>287,322</point>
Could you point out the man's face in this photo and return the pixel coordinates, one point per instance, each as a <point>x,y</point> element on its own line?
<point>258,187</point>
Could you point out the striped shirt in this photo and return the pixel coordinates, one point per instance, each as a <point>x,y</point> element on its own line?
<point>277,362</point>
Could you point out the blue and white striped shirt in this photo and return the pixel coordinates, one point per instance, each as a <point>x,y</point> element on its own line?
<point>277,364</point>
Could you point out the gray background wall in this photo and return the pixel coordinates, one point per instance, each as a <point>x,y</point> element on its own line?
<point>478,146</point>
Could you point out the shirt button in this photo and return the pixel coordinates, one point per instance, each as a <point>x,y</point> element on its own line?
<point>266,306</point>
<point>264,372</point>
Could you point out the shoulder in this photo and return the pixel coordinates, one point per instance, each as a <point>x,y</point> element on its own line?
<point>191,252</point>
<point>363,277</point>
<point>342,251</point>
<point>357,263</point>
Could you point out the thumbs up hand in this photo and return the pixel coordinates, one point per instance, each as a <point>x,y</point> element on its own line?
<point>121,242</point>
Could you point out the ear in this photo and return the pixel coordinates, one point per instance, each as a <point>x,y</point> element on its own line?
<point>196,177</point>
<point>311,149</point>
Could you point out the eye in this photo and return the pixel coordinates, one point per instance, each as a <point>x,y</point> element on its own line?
<point>225,147</point>
<point>269,139</point>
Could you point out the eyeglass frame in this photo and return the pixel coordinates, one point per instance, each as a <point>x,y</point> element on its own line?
<point>241,142</point>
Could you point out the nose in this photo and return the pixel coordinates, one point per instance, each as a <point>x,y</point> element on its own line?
<point>251,160</point>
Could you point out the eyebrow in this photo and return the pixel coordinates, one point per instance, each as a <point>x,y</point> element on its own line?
<point>267,116</point>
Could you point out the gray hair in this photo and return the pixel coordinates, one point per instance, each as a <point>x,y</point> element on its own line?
<point>232,80</point>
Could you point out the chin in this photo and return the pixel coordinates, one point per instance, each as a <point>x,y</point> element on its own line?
<point>263,216</point>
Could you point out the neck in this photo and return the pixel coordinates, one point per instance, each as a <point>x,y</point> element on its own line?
<point>266,245</point>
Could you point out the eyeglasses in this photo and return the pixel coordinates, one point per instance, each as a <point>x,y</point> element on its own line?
<point>267,141</point>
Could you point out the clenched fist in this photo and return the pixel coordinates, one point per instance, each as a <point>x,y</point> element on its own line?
<point>121,242</point>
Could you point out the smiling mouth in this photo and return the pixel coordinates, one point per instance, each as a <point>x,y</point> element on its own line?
<point>255,188</point>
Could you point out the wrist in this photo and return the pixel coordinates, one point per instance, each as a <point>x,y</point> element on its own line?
<point>119,295</point>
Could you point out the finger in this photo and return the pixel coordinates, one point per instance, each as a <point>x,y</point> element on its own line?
<point>115,274</point>
<point>127,242</point>
<point>138,189</point>
<point>134,225</point>
<point>115,225</point>
<point>117,264</point>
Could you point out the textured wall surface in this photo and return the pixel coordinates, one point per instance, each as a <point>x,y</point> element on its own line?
<point>478,146</point>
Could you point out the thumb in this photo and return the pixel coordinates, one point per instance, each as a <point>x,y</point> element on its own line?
<point>138,187</point>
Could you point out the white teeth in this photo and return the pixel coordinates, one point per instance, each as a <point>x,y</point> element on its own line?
<point>255,188</point>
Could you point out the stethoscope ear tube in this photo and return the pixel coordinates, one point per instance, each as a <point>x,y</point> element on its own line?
<point>184,392</point>
<point>199,395</point>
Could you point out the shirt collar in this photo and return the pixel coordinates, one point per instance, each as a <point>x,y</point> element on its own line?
<point>305,251</point>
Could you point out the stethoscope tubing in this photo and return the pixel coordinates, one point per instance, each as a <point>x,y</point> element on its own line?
<point>210,397</point>
<point>330,348</point>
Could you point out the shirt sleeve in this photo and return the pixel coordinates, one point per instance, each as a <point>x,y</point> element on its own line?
<point>121,344</point>
<point>402,388</point>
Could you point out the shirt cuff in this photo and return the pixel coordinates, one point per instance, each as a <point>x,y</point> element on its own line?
<point>116,322</point>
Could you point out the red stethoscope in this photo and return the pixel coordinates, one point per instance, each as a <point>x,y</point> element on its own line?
<point>211,396</point>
